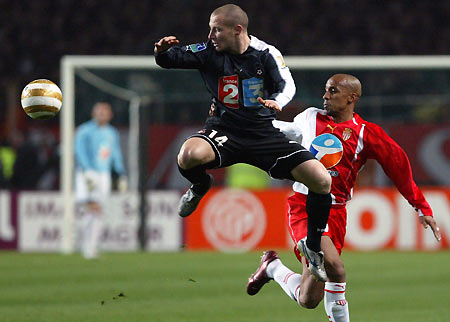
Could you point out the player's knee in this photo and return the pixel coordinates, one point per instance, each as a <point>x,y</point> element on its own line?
<point>193,155</point>
<point>325,184</point>
<point>314,175</point>
<point>308,302</point>
<point>189,157</point>
<point>183,159</point>
<point>322,184</point>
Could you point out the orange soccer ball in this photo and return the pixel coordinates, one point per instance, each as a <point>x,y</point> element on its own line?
<point>41,99</point>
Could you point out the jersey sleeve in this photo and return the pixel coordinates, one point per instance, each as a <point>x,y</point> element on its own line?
<point>82,144</point>
<point>290,129</point>
<point>284,85</point>
<point>191,56</point>
<point>395,164</point>
<point>117,154</point>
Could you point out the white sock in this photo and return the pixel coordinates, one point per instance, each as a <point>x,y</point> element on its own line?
<point>91,233</point>
<point>86,228</point>
<point>287,279</point>
<point>335,303</point>
<point>96,232</point>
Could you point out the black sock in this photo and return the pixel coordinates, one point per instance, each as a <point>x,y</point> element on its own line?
<point>198,177</point>
<point>318,210</point>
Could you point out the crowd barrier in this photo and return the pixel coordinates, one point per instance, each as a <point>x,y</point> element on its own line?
<point>226,220</point>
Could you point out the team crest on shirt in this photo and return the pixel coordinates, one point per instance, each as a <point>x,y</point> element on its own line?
<point>259,69</point>
<point>195,48</point>
<point>346,134</point>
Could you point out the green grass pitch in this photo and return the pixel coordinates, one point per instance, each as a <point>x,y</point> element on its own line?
<point>210,286</point>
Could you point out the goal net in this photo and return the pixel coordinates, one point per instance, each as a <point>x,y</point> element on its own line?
<point>167,105</point>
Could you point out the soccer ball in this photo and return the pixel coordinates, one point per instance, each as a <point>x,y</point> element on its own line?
<point>41,99</point>
<point>327,149</point>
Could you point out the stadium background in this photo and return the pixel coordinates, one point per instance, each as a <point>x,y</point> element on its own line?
<point>412,106</point>
<point>37,35</point>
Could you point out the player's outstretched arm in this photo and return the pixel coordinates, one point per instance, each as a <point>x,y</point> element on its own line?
<point>165,43</point>
<point>269,104</point>
<point>429,221</point>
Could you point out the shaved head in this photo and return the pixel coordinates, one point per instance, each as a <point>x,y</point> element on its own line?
<point>342,92</point>
<point>349,82</point>
<point>233,15</point>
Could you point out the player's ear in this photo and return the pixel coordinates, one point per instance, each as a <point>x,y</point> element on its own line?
<point>352,98</point>
<point>238,29</point>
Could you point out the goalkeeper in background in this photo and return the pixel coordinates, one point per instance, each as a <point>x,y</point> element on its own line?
<point>97,154</point>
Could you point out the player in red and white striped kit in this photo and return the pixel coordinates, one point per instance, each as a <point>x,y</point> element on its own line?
<point>361,141</point>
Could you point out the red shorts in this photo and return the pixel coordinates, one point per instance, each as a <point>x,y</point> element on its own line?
<point>297,220</point>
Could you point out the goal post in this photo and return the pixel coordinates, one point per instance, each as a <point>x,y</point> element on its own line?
<point>70,65</point>
<point>82,65</point>
<point>368,62</point>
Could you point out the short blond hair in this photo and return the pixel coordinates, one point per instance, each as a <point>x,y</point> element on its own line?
<point>233,15</point>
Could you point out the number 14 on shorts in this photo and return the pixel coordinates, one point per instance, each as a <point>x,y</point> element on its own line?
<point>219,139</point>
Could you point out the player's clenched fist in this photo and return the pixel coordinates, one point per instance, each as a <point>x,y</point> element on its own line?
<point>165,43</point>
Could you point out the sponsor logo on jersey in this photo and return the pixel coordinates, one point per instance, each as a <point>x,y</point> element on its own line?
<point>195,48</point>
<point>333,173</point>
<point>346,134</point>
<point>104,152</point>
<point>280,58</point>
<point>253,88</point>
<point>328,149</point>
<point>331,128</point>
<point>229,91</point>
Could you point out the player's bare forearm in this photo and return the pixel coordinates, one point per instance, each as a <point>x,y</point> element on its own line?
<point>429,221</point>
<point>165,43</point>
<point>269,104</point>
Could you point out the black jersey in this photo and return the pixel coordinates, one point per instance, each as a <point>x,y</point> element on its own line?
<point>236,81</point>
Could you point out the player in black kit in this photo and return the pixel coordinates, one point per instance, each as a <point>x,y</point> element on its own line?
<point>248,81</point>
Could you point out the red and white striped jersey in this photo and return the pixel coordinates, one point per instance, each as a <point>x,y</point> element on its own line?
<point>361,141</point>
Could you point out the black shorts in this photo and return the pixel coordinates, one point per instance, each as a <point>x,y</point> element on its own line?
<point>268,149</point>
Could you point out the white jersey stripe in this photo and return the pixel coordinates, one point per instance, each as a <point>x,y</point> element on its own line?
<point>288,92</point>
<point>290,226</point>
<point>360,146</point>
